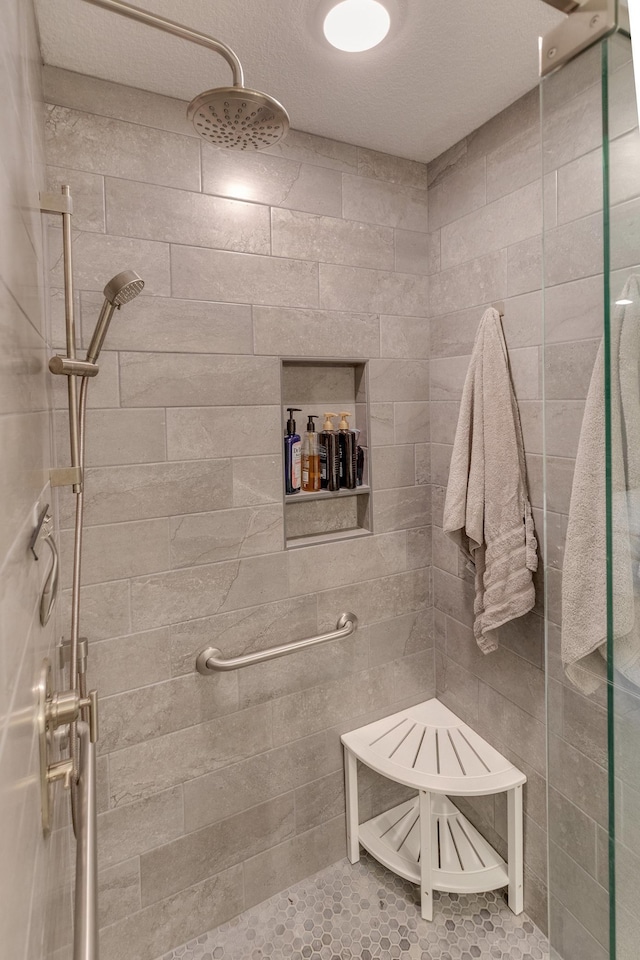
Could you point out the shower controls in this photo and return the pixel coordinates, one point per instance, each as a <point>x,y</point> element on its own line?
<point>55,710</point>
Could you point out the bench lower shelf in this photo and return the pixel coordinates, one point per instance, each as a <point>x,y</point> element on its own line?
<point>462,860</point>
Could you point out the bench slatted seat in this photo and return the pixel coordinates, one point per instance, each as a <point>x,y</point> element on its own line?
<point>427,840</point>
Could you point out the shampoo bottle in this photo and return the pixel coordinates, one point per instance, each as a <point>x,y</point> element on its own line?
<point>347,441</point>
<point>292,454</point>
<point>329,455</point>
<point>311,457</point>
<point>359,460</point>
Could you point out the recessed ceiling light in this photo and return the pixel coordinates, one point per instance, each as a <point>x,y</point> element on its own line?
<point>623,303</point>
<point>356,25</point>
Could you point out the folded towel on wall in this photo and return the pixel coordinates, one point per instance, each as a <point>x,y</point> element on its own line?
<point>487,510</point>
<point>584,571</point>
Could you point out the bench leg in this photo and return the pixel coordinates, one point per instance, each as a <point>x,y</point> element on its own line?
<point>351,788</point>
<point>515,851</point>
<point>426,857</point>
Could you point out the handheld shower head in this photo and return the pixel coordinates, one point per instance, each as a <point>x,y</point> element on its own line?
<point>121,289</point>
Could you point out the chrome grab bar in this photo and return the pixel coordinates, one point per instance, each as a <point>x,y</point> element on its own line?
<point>85,935</point>
<point>210,660</point>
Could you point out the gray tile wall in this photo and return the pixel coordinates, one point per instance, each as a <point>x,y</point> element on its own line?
<point>486,200</point>
<point>34,877</point>
<point>218,792</point>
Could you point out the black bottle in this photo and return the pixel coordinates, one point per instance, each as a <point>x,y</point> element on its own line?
<point>329,455</point>
<point>348,455</point>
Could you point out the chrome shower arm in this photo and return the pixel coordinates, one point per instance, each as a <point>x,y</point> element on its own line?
<point>178,30</point>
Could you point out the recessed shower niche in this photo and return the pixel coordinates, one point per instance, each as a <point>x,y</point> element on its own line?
<point>317,387</point>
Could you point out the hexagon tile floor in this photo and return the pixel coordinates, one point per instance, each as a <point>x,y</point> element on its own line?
<point>362,912</point>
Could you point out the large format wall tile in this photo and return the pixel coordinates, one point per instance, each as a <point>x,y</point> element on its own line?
<point>156,213</point>
<point>148,768</point>
<point>479,282</point>
<point>383,166</point>
<point>256,780</point>
<point>404,337</point>
<point>376,201</point>
<point>126,663</point>
<point>206,589</point>
<point>225,534</point>
<point>98,257</point>
<point>460,193</point>
<point>119,550</point>
<point>273,180</point>
<point>306,236</point>
<point>331,565</point>
<point>199,274</point>
<point>183,380</point>
<point>289,332</point>
<point>350,288</point>
<point>498,224</point>
<point>321,151</point>
<point>176,326</point>
<point>118,436</point>
<point>196,432</point>
<point>398,380</point>
<point>178,918</point>
<point>106,99</point>
<point>192,858</point>
<point>124,832</point>
<point>103,145</point>
<point>136,716</point>
<point>137,492</point>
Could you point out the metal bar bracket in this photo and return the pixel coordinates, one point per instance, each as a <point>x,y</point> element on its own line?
<point>584,26</point>
<point>65,476</point>
<point>56,203</point>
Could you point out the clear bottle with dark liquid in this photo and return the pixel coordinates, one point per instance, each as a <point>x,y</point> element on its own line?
<point>311,457</point>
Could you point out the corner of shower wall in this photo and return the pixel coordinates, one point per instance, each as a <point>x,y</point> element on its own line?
<point>485,214</point>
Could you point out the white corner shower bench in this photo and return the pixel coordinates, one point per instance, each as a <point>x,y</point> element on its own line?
<point>427,840</point>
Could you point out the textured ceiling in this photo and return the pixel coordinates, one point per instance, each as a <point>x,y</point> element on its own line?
<point>446,67</point>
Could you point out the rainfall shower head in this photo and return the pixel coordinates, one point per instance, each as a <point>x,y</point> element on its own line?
<point>121,289</point>
<point>233,117</point>
<point>238,118</point>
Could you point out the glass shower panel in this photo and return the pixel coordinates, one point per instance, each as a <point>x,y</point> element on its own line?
<point>621,145</point>
<point>591,419</point>
<point>573,290</point>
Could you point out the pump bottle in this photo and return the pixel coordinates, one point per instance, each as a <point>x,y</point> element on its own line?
<point>292,454</point>
<point>329,455</point>
<point>311,457</point>
<point>348,454</point>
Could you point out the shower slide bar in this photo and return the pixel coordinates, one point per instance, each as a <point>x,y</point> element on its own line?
<point>210,660</point>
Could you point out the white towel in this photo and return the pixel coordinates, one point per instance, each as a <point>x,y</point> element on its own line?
<point>584,572</point>
<point>487,510</point>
